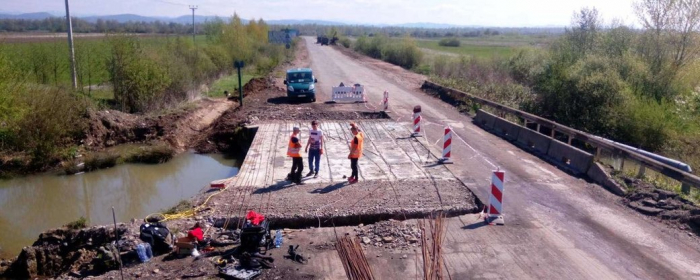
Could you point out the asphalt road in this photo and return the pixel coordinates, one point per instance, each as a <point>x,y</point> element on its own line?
<point>557,226</point>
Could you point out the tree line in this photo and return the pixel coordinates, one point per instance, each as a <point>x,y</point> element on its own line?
<point>57,24</point>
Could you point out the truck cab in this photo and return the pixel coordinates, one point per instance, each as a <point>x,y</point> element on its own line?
<point>301,84</point>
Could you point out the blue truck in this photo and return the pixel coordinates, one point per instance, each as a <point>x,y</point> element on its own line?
<point>301,84</point>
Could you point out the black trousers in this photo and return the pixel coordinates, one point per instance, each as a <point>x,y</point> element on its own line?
<point>353,165</point>
<point>297,167</point>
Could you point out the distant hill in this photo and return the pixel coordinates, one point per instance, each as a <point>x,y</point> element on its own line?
<point>187,19</point>
<point>30,16</point>
<point>303,21</point>
<point>426,25</point>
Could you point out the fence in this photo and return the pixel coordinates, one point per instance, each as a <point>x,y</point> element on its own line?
<point>603,150</point>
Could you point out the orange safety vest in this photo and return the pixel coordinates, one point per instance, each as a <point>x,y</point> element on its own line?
<point>356,149</point>
<point>293,149</point>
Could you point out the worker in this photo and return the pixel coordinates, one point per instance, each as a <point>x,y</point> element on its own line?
<point>293,151</point>
<point>355,151</point>
<point>316,144</point>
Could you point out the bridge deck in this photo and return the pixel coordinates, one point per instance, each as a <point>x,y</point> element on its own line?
<point>389,154</point>
<point>399,177</point>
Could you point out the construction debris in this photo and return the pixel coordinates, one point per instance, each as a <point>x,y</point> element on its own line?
<point>390,234</point>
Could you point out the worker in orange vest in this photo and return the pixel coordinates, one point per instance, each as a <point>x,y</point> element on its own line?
<point>293,151</point>
<point>355,151</point>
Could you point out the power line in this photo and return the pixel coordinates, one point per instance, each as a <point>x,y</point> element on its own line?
<point>192,7</point>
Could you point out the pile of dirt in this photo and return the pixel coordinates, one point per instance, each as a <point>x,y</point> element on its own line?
<point>109,128</point>
<point>255,85</point>
<point>665,205</point>
<point>390,234</point>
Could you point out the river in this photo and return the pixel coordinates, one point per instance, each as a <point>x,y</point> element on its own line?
<point>31,205</point>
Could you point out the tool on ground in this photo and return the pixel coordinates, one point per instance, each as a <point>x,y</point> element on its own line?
<point>495,209</point>
<point>239,273</point>
<point>416,121</point>
<point>446,146</point>
<point>385,102</point>
<point>116,236</point>
<point>294,256</point>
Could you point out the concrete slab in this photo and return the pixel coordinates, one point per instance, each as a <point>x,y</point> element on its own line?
<point>389,154</point>
<point>399,178</point>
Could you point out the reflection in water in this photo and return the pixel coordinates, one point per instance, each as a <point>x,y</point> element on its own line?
<point>34,204</point>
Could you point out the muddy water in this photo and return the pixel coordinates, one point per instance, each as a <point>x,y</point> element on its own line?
<point>31,205</point>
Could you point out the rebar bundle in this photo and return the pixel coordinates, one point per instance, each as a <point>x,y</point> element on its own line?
<point>431,247</point>
<point>353,258</point>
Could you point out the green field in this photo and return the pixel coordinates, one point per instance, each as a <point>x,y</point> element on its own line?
<point>229,83</point>
<point>488,47</point>
<point>47,61</point>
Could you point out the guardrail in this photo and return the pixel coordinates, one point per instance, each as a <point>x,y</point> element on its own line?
<point>687,179</point>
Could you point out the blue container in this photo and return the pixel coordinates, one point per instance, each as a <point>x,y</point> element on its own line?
<point>144,252</point>
<point>278,239</point>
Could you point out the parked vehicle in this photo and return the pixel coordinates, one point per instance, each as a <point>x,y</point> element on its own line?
<point>301,84</point>
<point>323,40</point>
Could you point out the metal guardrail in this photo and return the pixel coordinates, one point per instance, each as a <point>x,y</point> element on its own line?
<point>685,178</point>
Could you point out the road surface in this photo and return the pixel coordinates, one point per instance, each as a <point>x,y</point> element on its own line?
<point>557,226</point>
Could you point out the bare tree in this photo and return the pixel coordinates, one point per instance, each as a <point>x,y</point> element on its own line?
<point>671,26</point>
<point>584,33</point>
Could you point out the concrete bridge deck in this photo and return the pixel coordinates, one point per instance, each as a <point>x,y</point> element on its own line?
<point>399,177</point>
<point>389,154</point>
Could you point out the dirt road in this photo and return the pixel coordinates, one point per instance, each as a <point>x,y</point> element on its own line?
<point>557,226</point>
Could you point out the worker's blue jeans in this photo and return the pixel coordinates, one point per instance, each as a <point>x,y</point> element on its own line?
<point>314,159</point>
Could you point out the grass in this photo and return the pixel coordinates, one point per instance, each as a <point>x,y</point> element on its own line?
<point>78,224</point>
<point>181,206</point>
<point>155,154</point>
<point>479,51</point>
<point>229,83</point>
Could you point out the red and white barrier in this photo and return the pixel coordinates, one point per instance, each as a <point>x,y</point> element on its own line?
<point>385,102</point>
<point>416,121</point>
<point>495,209</point>
<point>446,146</point>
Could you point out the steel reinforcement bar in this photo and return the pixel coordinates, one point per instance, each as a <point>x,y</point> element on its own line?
<point>599,143</point>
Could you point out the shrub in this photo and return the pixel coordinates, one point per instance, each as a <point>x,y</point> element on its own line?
<point>405,53</point>
<point>345,42</point>
<point>647,124</point>
<point>100,160</point>
<point>78,224</point>
<point>159,153</point>
<point>137,79</point>
<point>181,206</point>
<point>449,42</point>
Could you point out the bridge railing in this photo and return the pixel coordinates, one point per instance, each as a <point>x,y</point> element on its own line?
<point>604,150</point>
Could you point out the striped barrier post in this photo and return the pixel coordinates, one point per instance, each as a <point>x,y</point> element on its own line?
<point>416,122</point>
<point>495,209</point>
<point>386,101</point>
<point>446,146</point>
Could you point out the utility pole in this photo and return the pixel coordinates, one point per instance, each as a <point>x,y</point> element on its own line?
<point>193,28</point>
<point>70,46</point>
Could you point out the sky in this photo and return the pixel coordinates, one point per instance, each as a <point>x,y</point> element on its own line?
<point>497,13</point>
